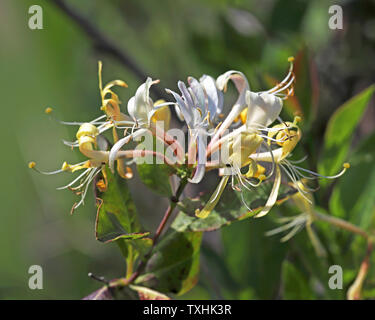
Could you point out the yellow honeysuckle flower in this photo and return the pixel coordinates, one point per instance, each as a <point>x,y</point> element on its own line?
<point>240,150</point>
<point>87,143</point>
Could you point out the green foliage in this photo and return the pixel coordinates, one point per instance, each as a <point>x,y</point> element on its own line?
<point>339,132</point>
<point>117,220</point>
<point>353,197</point>
<point>174,264</point>
<point>156,177</point>
<point>116,217</point>
<point>295,284</point>
<point>245,264</point>
<point>253,259</point>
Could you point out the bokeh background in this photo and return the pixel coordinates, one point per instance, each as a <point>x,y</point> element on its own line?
<point>169,40</point>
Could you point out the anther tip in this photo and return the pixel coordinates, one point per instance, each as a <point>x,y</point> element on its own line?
<point>31,164</point>
<point>346,165</point>
<point>297,119</point>
<point>262,177</point>
<point>65,166</point>
<point>48,110</point>
<point>290,59</point>
<point>123,84</point>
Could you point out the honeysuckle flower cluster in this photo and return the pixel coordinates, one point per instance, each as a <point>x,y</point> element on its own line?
<point>247,143</point>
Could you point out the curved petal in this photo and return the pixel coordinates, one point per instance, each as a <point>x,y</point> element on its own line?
<point>198,93</point>
<point>119,144</point>
<point>214,199</point>
<point>214,95</point>
<point>263,109</point>
<point>239,81</point>
<point>131,108</point>
<point>242,86</point>
<point>141,104</point>
<point>273,195</point>
<point>185,94</point>
<point>183,109</point>
<point>201,166</point>
<point>179,113</point>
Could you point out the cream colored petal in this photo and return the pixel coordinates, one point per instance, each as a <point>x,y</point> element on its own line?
<point>211,203</point>
<point>273,195</point>
<point>263,109</point>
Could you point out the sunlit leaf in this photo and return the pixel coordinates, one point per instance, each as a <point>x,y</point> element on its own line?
<point>339,132</point>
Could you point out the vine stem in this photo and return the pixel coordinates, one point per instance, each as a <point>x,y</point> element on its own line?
<point>342,224</point>
<point>104,44</point>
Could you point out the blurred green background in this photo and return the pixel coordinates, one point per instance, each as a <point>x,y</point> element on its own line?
<point>169,40</point>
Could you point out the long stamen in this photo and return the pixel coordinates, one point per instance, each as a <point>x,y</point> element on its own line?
<point>92,176</point>
<point>345,167</point>
<point>290,73</point>
<point>295,183</point>
<point>285,87</point>
<point>75,180</point>
<point>32,165</point>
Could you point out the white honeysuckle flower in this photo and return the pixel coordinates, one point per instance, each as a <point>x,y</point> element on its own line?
<point>146,115</point>
<point>287,135</point>
<point>207,97</point>
<point>199,104</point>
<point>87,140</point>
<point>241,148</point>
<point>256,110</point>
<point>263,109</point>
<point>257,145</point>
<point>242,85</point>
<point>215,98</point>
<point>141,107</point>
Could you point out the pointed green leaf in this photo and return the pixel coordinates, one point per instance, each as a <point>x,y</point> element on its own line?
<point>116,216</point>
<point>339,132</point>
<point>357,204</point>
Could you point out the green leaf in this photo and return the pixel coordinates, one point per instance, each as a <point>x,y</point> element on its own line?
<point>295,284</point>
<point>116,216</point>
<point>353,197</point>
<point>229,209</point>
<point>156,177</point>
<point>174,264</point>
<point>339,132</point>
<point>253,259</point>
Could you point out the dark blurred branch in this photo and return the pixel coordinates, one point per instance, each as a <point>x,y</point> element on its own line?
<point>102,43</point>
